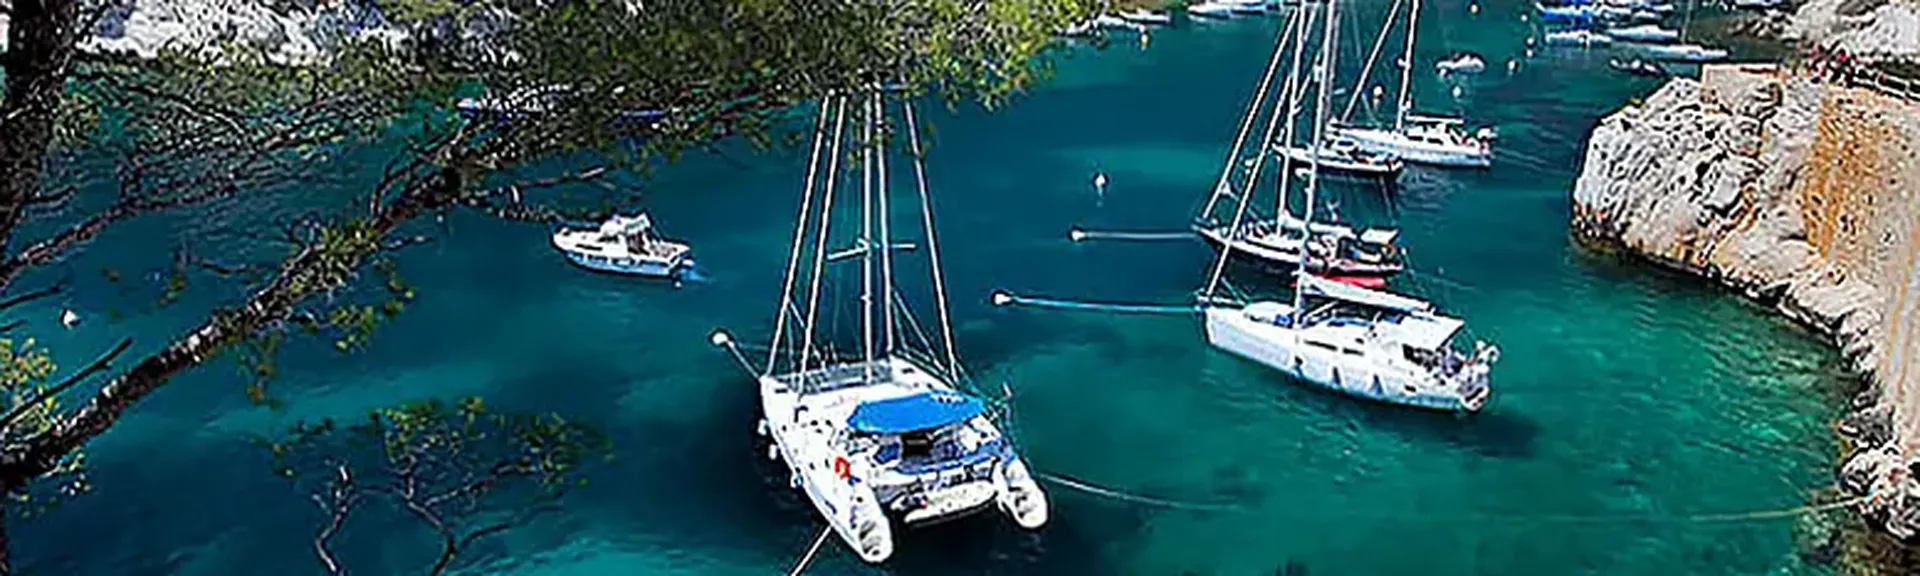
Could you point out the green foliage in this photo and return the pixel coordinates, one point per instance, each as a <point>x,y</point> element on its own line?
<point>25,370</point>
<point>460,469</point>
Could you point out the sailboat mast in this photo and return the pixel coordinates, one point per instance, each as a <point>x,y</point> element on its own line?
<point>886,232</point>
<point>1327,62</point>
<point>1253,172</point>
<point>1406,70</point>
<point>866,238</point>
<point>1220,186</point>
<point>1293,91</point>
<point>933,246</point>
<point>799,236</point>
<point>820,241</point>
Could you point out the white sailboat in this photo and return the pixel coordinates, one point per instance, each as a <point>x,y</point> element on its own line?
<point>885,436</point>
<point>1365,343</point>
<point>1149,17</point>
<point>1440,141</point>
<point>1279,242</point>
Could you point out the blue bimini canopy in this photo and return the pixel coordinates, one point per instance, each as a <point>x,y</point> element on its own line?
<point>916,412</point>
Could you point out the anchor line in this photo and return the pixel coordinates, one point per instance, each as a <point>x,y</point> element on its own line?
<point>811,551</point>
<point>1081,235</point>
<point>1133,498</point>
<point>1704,518</point>
<point>1001,298</point>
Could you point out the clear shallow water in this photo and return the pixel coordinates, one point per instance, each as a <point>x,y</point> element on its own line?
<point>1625,397</point>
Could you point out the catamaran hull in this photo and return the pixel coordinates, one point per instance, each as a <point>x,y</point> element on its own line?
<point>1288,260</point>
<point>1230,330</point>
<point>1395,144</point>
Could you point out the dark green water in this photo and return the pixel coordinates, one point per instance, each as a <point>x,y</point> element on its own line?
<point>1626,398</point>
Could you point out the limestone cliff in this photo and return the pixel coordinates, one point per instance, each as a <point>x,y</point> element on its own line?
<point>1799,194</point>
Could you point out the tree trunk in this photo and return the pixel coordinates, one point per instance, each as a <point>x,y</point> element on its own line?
<point>40,43</point>
<point>310,272</point>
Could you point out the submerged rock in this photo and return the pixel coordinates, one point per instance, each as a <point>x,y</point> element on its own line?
<point>1801,195</point>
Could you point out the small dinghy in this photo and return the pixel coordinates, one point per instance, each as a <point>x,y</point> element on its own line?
<point>1345,155</point>
<point>1686,53</point>
<point>1644,33</point>
<point>623,245</point>
<point>1462,63</point>
<point>1581,38</point>
<point>1148,17</point>
<point>1637,67</point>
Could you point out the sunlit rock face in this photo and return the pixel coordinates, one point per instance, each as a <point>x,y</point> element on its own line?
<point>1799,194</point>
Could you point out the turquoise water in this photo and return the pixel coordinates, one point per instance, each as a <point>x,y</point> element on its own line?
<point>1626,399</point>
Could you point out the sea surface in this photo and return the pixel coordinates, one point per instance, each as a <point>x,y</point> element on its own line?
<point>1629,402</point>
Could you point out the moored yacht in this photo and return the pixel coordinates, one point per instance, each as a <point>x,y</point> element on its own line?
<point>1364,343</point>
<point>623,245</point>
<point>1426,140</point>
<point>1331,249</point>
<point>1344,155</point>
<point>881,431</point>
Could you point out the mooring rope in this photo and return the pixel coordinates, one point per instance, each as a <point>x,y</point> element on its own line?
<point>811,550</point>
<point>1134,498</point>
<point>1004,298</point>
<point>1707,518</point>
<point>1082,235</point>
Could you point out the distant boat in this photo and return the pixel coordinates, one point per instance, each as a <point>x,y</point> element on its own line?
<point>623,245</point>
<point>1648,33</point>
<point>1248,6</point>
<point>1570,14</point>
<point>1462,63</point>
<point>1117,23</point>
<point>1686,53</point>
<point>1637,67</point>
<point>1583,38</point>
<point>1757,4</point>
<point>1210,10</point>
<point>1150,17</point>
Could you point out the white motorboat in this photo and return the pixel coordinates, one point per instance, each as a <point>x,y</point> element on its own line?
<point>1344,155</point>
<point>1148,17</point>
<point>1211,9</point>
<point>624,245</point>
<point>1360,342</point>
<point>1426,140</point>
<point>1079,29</point>
<point>1686,53</point>
<point>1248,6</point>
<point>1111,22</point>
<point>888,434</point>
<point>1462,63</point>
<point>1644,33</point>
<point>1581,38</point>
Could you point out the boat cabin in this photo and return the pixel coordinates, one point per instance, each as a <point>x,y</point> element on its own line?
<point>1421,336</point>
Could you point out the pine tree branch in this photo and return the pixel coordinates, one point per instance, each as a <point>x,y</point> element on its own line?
<point>100,364</point>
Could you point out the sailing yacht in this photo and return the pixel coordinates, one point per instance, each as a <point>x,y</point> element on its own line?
<point>1366,343</point>
<point>1282,242</point>
<point>1439,141</point>
<point>887,436</point>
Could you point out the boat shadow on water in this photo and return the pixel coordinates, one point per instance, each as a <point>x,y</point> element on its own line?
<point>1492,432</point>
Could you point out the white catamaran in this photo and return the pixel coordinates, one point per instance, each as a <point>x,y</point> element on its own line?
<point>1366,343</point>
<point>1278,242</point>
<point>1439,141</point>
<point>887,435</point>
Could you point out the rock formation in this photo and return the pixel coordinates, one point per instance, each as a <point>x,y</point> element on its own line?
<point>1799,194</point>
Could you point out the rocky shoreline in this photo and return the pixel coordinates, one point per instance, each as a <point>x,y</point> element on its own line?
<point>1800,194</point>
